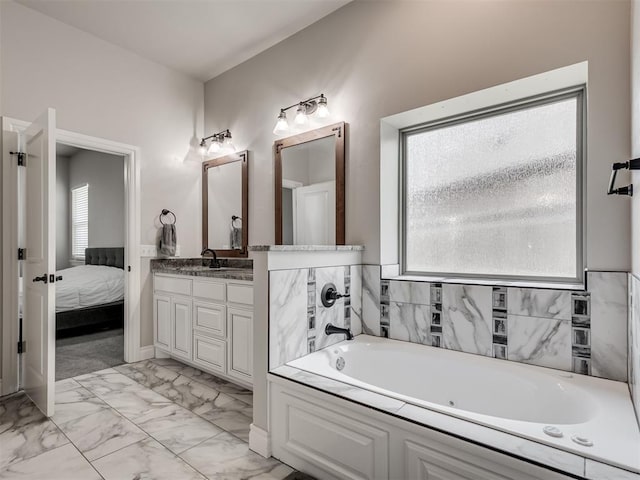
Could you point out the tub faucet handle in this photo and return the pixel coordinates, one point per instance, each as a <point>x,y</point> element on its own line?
<point>330,295</point>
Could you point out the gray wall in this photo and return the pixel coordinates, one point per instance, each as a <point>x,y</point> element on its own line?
<point>63,213</point>
<point>102,90</point>
<point>373,59</point>
<point>105,175</point>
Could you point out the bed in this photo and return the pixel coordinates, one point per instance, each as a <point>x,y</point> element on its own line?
<point>92,294</point>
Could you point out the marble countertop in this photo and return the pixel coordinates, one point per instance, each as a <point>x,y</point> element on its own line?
<point>230,268</point>
<point>561,460</point>
<point>306,248</point>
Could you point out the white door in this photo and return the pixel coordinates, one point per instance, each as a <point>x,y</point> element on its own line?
<point>38,324</point>
<point>315,214</point>
<point>240,330</point>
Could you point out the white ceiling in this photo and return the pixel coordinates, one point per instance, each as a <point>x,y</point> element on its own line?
<point>201,38</point>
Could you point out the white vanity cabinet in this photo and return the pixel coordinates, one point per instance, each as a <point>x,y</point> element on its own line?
<point>207,322</point>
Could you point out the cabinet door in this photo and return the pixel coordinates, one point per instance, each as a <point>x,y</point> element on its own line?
<point>209,353</point>
<point>162,321</point>
<point>181,334</point>
<point>240,340</point>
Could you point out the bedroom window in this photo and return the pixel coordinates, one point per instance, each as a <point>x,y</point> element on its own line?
<point>79,220</point>
<point>496,193</point>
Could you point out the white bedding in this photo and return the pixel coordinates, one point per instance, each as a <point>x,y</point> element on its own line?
<point>87,286</point>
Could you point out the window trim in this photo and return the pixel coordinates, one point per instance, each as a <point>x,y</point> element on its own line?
<point>580,93</point>
<point>73,223</point>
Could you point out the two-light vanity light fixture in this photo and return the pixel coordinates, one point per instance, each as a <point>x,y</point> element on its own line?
<point>220,143</point>
<point>317,105</point>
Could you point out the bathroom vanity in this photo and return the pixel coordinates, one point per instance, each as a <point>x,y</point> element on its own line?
<point>204,316</point>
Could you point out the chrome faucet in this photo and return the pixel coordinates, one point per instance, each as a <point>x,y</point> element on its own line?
<point>333,330</point>
<point>213,263</point>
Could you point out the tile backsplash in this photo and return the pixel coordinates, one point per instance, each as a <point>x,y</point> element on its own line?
<point>583,332</point>
<point>297,317</point>
<point>580,331</point>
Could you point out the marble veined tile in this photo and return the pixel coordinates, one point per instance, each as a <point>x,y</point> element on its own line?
<point>177,428</point>
<point>410,292</point>
<point>537,302</point>
<point>191,394</point>
<point>226,457</point>
<point>545,342</point>
<point>371,299</point>
<point>410,322</point>
<point>66,384</point>
<point>236,422</point>
<point>634,344</point>
<point>599,471</point>
<point>609,332</point>
<point>105,381</point>
<point>62,463</point>
<point>356,299</point>
<point>329,315</point>
<point>467,318</point>
<point>135,401</point>
<point>24,431</point>
<point>76,403</point>
<point>287,315</point>
<point>101,433</point>
<point>147,373</point>
<point>145,460</point>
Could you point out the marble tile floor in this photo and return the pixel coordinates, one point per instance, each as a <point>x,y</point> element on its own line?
<point>156,419</point>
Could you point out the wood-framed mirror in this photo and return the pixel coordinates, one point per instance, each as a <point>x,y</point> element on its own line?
<point>225,204</point>
<point>309,171</point>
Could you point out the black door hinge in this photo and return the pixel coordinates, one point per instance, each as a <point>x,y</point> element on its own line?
<point>22,253</point>
<point>128,268</point>
<point>22,347</point>
<point>21,158</point>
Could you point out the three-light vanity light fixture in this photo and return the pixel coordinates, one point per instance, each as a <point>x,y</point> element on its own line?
<point>220,143</point>
<point>317,105</point>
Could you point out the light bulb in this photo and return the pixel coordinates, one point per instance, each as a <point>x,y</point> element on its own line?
<point>301,115</point>
<point>202,149</point>
<point>228,145</point>
<point>214,147</point>
<point>323,110</point>
<point>282,126</point>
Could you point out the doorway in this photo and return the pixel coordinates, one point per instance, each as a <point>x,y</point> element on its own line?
<point>41,351</point>
<point>90,294</point>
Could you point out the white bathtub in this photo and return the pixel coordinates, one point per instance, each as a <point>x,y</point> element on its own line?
<point>515,398</point>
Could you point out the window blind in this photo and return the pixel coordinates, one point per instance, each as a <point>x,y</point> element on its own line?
<point>79,220</point>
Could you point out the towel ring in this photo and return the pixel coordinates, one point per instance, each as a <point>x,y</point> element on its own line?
<point>166,212</point>
<point>233,219</point>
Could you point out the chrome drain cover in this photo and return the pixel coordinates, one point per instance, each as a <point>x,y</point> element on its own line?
<point>340,363</point>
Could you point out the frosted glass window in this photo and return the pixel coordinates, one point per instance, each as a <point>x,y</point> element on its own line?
<point>496,194</point>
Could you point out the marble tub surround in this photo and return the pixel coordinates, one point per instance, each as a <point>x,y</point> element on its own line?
<point>523,448</point>
<point>579,331</point>
<point>297,317</point>
<point>110,426</point>
<point>634,342</point>
<point>371,299</point>
<point>288,310</point>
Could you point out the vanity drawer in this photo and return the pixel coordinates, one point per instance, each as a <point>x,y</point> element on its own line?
<point>239,293</point>
<point>209,290</point>
<point>209,353</point>
<point>210,318</point>
<point>180,286</point>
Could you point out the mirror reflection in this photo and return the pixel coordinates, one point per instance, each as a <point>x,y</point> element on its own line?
<point>309,193</point>
<point>310,187</point>
<point>224,204</point>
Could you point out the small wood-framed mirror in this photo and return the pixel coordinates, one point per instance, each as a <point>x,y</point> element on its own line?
<point>225,205</point>
<point>309,171</point>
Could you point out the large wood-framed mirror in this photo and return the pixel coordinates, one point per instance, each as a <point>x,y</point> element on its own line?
<point>225,204</point>
<point>309,173</point>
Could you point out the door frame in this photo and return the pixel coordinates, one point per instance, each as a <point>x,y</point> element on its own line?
<point>10,324</point>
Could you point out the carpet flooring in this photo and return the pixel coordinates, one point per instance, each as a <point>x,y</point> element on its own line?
<point>89,353</point>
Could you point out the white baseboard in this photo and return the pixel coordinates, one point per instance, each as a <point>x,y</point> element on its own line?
<point>145,353</point>
<point>260,441</point>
